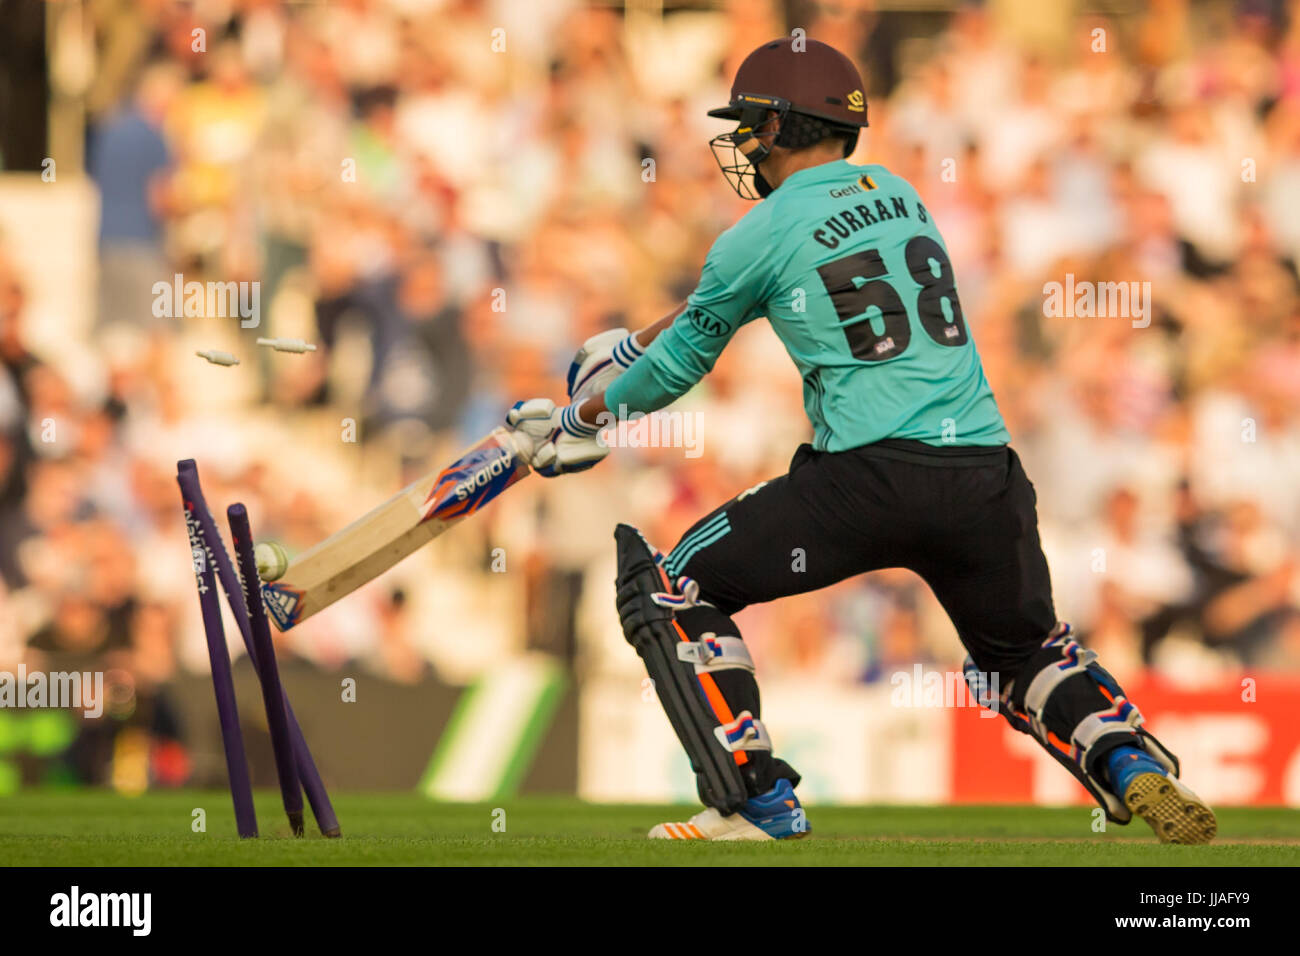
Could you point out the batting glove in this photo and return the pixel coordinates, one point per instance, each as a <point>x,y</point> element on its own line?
<point>562,442</point>
<point>602,358</point>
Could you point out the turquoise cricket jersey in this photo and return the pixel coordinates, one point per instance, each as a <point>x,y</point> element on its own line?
<point>855,280</point>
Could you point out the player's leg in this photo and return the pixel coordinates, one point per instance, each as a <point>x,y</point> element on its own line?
<point>987,568</point>
<point>781,537</point>
<point>704,678</point>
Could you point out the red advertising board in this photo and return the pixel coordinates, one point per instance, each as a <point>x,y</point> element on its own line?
<point>1239,745</point>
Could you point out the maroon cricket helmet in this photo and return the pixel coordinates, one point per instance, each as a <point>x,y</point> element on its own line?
<point>811,88</point>
<point>806,76</point>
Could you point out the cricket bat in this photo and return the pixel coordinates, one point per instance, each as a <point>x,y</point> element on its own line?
<point>413,517</point>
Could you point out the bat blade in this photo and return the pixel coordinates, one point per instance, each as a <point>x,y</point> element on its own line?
<point>384,536</point>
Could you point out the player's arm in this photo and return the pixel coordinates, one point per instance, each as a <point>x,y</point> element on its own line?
<point>733,287</point>
<point>679,350</point>
<point>563,442</point>
<point>608,354</point>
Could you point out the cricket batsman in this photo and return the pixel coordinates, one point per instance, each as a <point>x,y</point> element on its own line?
<point>909,466</point>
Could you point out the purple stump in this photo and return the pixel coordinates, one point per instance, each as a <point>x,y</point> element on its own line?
<point>241,789</point>
<point>319,799</point>
<point>268,671</point>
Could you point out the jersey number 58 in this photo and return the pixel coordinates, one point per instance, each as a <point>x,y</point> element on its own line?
<point>856,283</point>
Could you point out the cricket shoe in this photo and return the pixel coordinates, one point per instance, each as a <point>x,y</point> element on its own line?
<point>1166,803</point>
<point>775,815</point>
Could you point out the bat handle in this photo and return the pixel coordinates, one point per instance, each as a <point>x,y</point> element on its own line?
<point>520,443</point>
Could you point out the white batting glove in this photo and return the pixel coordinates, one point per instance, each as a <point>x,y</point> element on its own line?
<point>602,358</point>
<point>562,442</point>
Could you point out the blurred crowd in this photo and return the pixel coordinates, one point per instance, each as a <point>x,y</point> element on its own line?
<point>448,197</point>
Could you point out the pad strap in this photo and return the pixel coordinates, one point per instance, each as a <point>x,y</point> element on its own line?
<point>713,653</point>
<point>746,732</point>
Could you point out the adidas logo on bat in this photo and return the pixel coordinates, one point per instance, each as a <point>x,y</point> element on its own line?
<point>484,475</point>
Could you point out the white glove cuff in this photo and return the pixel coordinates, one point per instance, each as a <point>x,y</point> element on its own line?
<point>572,423</point>
<point>627,351</point>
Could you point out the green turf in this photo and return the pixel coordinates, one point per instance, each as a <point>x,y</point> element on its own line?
<point>61,828</point>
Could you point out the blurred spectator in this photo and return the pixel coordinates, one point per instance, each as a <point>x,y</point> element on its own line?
<point>129,160</point>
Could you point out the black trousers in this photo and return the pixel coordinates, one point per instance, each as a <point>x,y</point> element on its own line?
<point>963,518</point>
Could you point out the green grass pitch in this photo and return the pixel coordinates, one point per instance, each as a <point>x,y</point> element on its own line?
<point>90,828</point>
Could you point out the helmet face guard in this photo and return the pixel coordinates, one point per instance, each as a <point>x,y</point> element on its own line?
<point>740,152</point>
<point>812,89</point>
